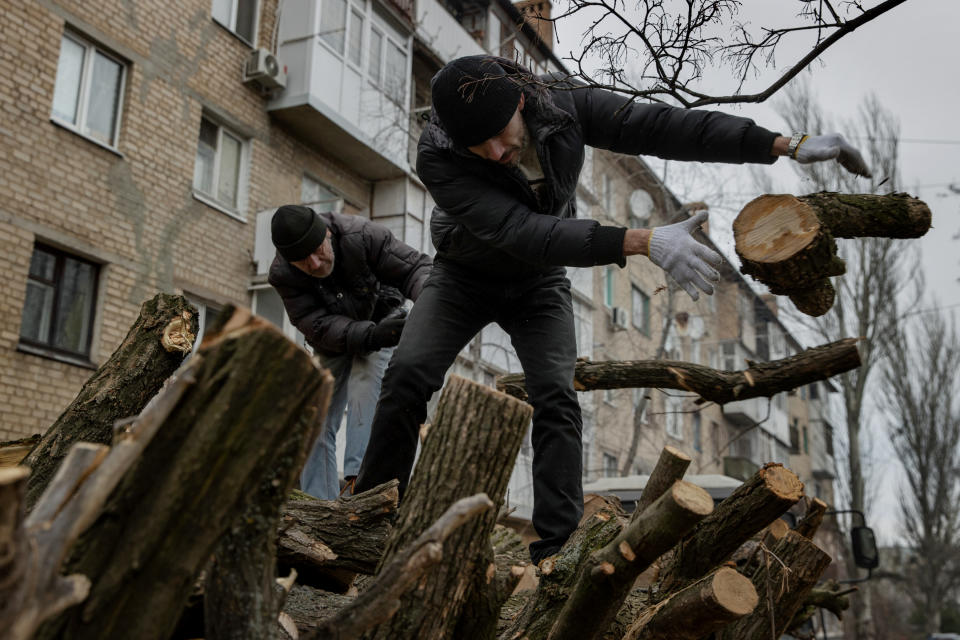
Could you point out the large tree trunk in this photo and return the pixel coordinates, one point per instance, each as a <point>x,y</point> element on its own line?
<point>195,478</point>
<point>154,347</point>
<point>470,448</point>
<point>787,242</point>
<point>760,379</point>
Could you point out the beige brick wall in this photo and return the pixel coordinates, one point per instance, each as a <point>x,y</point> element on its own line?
<point>133,211</point>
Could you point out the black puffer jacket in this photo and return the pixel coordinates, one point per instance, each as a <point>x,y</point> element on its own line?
<point>488,219</point>
<point>372,273</point>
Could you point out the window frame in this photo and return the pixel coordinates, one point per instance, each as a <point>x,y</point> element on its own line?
<point>239,212</point>
<point>673,414</point>
<point>90,47</point>
<point>232,27</point>
<point>47,347</point>
<point>645,299</point>
<point>610,465</point>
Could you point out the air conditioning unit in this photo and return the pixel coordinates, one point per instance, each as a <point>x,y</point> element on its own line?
<point>265,69</point>
<point>618,318</point>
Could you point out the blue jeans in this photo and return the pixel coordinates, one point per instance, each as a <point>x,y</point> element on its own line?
<point>356,389</point>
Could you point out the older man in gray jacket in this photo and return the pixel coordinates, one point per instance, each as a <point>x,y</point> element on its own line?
<point>343,280</point>
<point>501,156</point>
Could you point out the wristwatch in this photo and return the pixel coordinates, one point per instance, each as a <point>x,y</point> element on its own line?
<point>795,141</point>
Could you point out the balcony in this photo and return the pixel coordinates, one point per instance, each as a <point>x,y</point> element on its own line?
<point>348,83</point>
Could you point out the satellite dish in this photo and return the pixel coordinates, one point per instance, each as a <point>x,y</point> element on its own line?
<point>641,205</point>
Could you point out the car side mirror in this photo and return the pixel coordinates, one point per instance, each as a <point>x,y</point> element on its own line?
<point>864,544</point>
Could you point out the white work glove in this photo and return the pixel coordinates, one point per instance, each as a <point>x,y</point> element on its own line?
<point>691,263</point>
<point>829,147</point>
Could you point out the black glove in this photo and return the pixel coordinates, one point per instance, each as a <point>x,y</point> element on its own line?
<point>386,333</point>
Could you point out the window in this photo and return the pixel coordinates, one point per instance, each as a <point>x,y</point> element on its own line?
<point>828,437</point>
<point>395,82</point>
<point>58,309</point>
<point>673,417</point>
<point>333,23</point>
<point>355,50</point>
<point>608,276</point>
<point>806,441</point>
<point>239,16</point>
<point>697,435</point>
<point>794,437</point>
<point>729,352</point>
<point>814,391</point>
<point>641,310</point>
<point>207,313</point>
<point>221,156</point>
<point>317,193</point>
<point>610,397</point>
<point>88,89</point>
<point>609,466</point>
<point>374,62</point>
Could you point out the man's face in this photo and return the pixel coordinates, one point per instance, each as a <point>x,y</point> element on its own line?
<point>318,264</point>
<point>506,147</point>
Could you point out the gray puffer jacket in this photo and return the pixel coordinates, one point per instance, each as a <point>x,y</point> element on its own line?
<point>372,273</point>
<point>487,218</point>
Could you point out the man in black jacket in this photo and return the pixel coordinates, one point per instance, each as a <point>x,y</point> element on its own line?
<point>340,278</point>
<point>501,156</point>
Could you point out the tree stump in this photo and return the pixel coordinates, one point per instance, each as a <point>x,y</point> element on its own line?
<point>470,448</point>
<point>787,242</point>
<point>154,347</point>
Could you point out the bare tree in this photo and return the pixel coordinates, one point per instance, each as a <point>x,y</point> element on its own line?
<point>881,273</point>
<point>660,49</point>
<point>924,426</point>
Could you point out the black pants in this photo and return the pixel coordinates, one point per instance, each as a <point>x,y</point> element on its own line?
<point>537,314</point>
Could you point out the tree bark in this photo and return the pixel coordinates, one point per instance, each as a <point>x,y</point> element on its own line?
<point>470,448</point>
<point>784,579</point>
<point>195,477</point>
<point>120,388</point>
<point>384,596</point>
<point>322,539</point>
<point>760,379</point>
<point>671,465</point>
<point>706,606</point>
<point>753,506</point>
<point>787,242</point>
<point>812,519</point>
<point>241,597</point>
<point>608,574</point>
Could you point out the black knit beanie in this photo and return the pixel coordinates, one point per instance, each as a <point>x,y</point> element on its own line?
<point>297,231</point>
<point>474,98</point>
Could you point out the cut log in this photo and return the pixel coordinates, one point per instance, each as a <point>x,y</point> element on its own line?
<point>471,448</point>
<point>812,519</point>
<point>533,615</point>
<point>120,388</point>
<point>192,481</point>
<point>241,599</point>
<point>13,452</point>
<point>706,606</point>
<point>32,589</point>
<point>324,539</point>
<point>787,242</point>
<point>606,577</point>
<point>753,506</point>
<point>760,379</point>
<point>671,465</point>
<point>380,601</point>
<point>786,575</point>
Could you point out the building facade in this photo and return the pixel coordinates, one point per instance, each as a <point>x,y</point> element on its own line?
<point>149,144</point>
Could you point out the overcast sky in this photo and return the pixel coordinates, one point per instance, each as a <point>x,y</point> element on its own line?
<point>910,58</point>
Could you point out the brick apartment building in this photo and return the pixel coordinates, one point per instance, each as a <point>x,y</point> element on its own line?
<point>139,160</point>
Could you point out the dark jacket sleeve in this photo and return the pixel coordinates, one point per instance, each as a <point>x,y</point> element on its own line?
<point>498,218</point>
<point>395,263</point>
<point>617,123</point>
<point>323,331</point>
